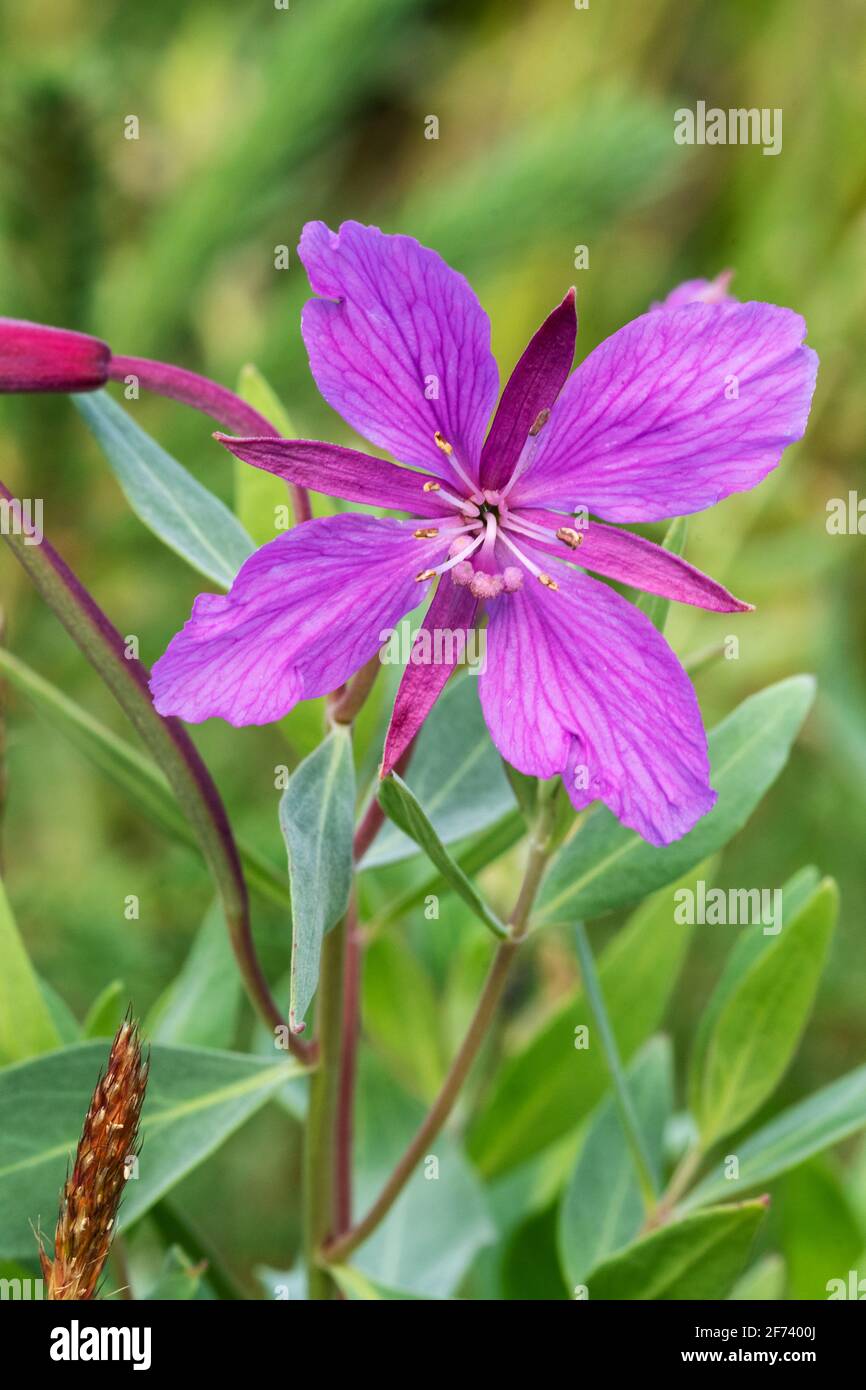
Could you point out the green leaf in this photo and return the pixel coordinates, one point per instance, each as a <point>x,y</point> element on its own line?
<point>181,513</point>
<point>436,1227</point>
<point>602,1209</point>
<point>26,1026</point>
<point>257,492</point>
<point>179,1278</point>
<point>317,820</point>
<point>135,774</point>
<point>760,1023</point>
<point>750,945</point>
<point>455,773</point>
<point>358,1288</point>
<point>482,849</point>
<point>764,1282</point>
<point>605,865</point>
<point>696,1258</point>
<point>824,1119</point>
<point>62,1017</point>
<point>544,1091</point>
<point>200,1006</point>
<point>656,607</point>
<point>106,1012</point>
<point>821,1236</point>
<point>403,808</point>
<point>195,1099</point>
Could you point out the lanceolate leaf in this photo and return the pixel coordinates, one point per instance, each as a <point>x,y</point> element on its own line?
<point>404,809</point>
<point>26,1026</point>
<point>605,865</point>
<point>826,1118</point>
<point>317,821</point>
<point>750,945</point>
<point>196,1098</point>
<point>760,1024</point>
<point>699,1257</point>
<point>185,516</point>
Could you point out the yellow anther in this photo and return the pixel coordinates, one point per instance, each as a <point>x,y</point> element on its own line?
<point>571,537</point>
<point>426,533</point>
<point>548,583</point>
<point>541,420</point>
<point>424,574</point>
<point>431,487</point>
<point>443,444</point>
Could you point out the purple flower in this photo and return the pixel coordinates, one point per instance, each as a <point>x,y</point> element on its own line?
<point>690,402</point>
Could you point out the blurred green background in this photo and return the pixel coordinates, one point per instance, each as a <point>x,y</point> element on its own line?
<point>555,131</point>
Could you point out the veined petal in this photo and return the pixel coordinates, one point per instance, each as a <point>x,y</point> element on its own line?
<point>439,644</point>
<point>305,612</point>
<point>674,412</point>
<point>339,472</point>
<point>633,560</point>
<point>532,387</point>
<point>579,682</point>
<point>400,345</point>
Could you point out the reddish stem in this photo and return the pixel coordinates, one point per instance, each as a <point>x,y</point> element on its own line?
<point>222,405</point>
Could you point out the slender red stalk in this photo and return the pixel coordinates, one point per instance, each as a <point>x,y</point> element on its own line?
<point>222,405</point>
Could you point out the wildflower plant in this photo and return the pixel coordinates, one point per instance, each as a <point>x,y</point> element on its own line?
<point>579,754</point>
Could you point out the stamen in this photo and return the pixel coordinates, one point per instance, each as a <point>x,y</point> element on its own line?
<point>450,563</point>
<point>462,504</point>
<point>426,533</point>
<point>448,450</point>
<point>540,575</point>
<point>540,421</point>
<point>573,539</point>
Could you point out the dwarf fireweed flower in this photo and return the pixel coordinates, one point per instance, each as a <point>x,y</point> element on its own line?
<point>91,1194</point>
<point>693,401</point>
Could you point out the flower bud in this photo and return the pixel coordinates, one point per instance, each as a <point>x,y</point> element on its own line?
<point>34,357</point>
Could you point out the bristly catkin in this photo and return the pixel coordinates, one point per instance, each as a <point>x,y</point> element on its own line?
<point>91,1196</point>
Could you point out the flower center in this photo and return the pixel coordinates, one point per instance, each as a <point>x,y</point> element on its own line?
<point>483,549</point>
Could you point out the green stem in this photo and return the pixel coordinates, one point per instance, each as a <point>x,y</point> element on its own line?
<point>320,1135</point>
<point>643,1164</point>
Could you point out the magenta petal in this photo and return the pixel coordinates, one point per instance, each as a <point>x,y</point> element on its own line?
<point>339,472</point>
<point>305,612</point>
<point>632,560</point>
<point>448,620</point>
<point>34,357</point>
<point>532,387</point>
<point>674,412</point>
<point>579,682</point>
<point>399,345</point>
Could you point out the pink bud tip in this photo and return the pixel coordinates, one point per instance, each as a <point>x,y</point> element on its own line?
<point>34,357</point>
